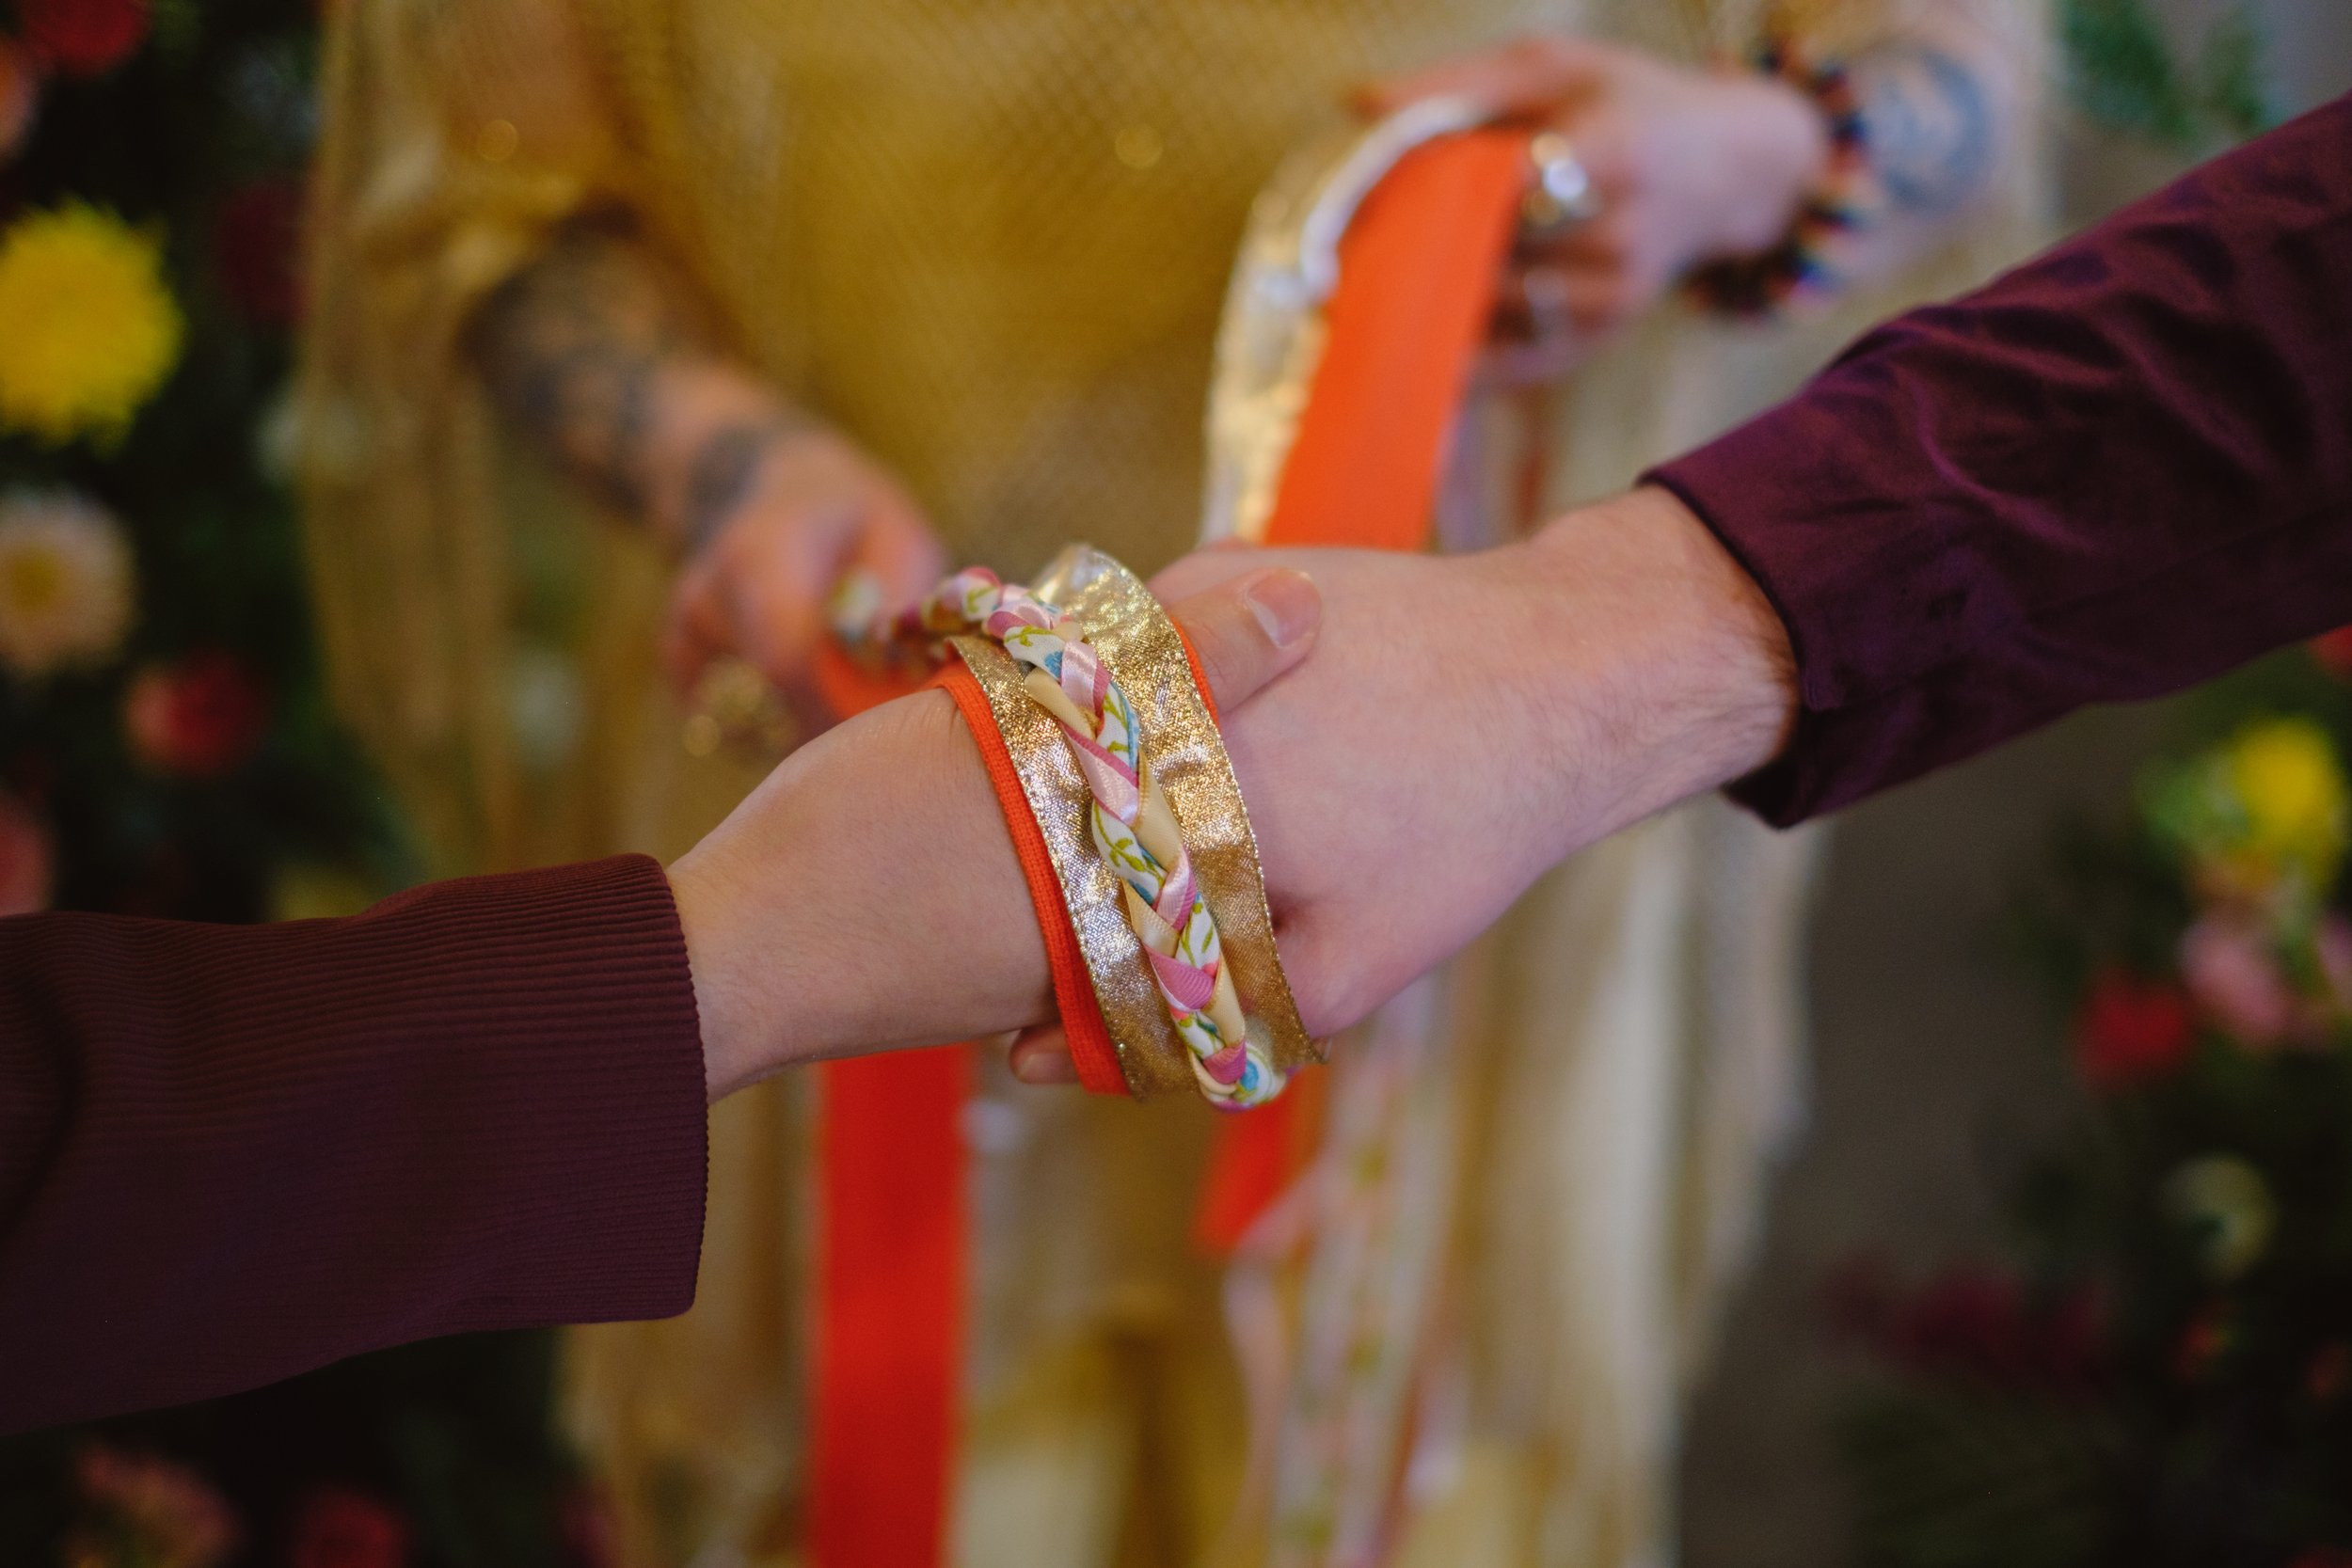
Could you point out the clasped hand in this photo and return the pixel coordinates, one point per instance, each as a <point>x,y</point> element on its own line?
<point>1418,739</point>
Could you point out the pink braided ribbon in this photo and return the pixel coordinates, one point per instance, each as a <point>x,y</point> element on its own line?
<point>1134,827</point>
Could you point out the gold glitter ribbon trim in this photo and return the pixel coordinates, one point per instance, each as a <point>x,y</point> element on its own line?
<point>1140,646</point>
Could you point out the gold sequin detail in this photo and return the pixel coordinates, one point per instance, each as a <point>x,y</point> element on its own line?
<point>1140,646</point>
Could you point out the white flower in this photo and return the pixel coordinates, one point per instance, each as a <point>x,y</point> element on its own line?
<point>547,710</point>
<point>65,582</point>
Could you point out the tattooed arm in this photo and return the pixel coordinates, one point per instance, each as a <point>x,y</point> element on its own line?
<point>597,355</point>
<point>1942,107</point>
<point>1692,167</point>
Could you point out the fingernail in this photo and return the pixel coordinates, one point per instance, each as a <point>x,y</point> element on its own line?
<point>1041,1069</point>
<point>1286,603</point>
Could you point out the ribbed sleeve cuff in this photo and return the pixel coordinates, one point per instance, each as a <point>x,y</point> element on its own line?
<point>2117,469</point>
<point>1837,505</point>
<point>573,1074</point>
<point>477,1105</point>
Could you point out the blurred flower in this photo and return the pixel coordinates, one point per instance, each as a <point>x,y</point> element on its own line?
<point>199,718</point>
<point>340,1528</point>
<point>92,328</point>
<point>2324,1379</point>
<point>27,861</point>
<point>257,242</point>
<point>147,1511</point>
<point>2332,651</point>
<point>2226,1202</point>
<point>546,709</point>
<point>65,581</point>
<point>19,96</point>
<point>304,891</point>
<point>83,37</point>
<point>1972,1323</point>
<point>2262,819</point>
<point>2210,1335</point>
<point>590,1532</point>
<point>2237,980</point>
<point>2265,986</point>
<point>2131,1031</point>
<point>2331,954</point>
<point>1964,1321</point>
<point>2288,780</point>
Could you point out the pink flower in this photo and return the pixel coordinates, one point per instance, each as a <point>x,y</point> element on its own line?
<point>2131,1031</point>
<point>590,1531</point>
<point>199,718</point>
<point>340,1528</point>
<point>163,1511</point>
<point>26,861</point>
<point>2236,981</point>
<point>2333,651</point>
<point>256,243</point>
<point>2332,947</point>
<point>19,96</point>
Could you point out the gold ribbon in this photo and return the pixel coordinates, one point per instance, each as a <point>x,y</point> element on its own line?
<point>1141,648</point>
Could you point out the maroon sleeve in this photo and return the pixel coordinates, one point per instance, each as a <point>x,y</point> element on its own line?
<point>232,1153</point>
<point>2121,468</point>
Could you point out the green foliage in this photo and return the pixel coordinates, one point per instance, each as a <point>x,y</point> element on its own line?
<point>1974,1476</point>
<point>2195,1204</point>
<point>2125,76</point>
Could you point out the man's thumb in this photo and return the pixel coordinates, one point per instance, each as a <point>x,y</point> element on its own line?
<point>1247,631</point>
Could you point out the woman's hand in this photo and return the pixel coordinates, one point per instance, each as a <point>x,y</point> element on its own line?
<point>1688,166</point>
<point>818,914</point>
<point>769,531</point>
<point>597,354</point>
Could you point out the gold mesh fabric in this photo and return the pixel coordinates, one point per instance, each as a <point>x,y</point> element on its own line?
<point>990,238</point>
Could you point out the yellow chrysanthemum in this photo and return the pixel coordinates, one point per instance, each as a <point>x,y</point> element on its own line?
<point>2288,782</point>
<point>88,328</point>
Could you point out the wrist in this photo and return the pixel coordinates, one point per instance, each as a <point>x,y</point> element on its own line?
<point>816,913</point>
<point>1666,674</point>
<point>713,426</point>
<point>1776,152</point>
<point>721,1011</point>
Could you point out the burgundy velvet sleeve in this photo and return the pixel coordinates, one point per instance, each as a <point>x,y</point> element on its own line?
<point>2121,468</point>
<point>232,1153</point>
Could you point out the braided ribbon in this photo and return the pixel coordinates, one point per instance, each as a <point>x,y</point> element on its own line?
<point>1134,829</point>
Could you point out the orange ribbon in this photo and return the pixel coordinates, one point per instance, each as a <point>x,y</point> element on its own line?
<point>1418,273</point>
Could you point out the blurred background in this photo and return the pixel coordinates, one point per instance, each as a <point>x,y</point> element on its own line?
<point>2039,1013</point>
<point>1937,1043</point>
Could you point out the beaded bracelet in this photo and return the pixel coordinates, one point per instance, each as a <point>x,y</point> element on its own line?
<point>1807,266</point>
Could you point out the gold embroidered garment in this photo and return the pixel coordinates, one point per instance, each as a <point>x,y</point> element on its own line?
<point>991,239</point>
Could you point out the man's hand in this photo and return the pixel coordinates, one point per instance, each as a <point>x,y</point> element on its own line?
<point>1468,722</point>
<point>865,897</point>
